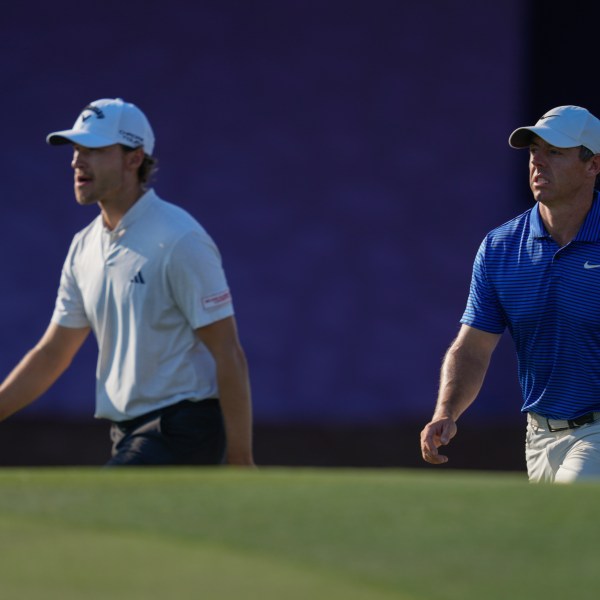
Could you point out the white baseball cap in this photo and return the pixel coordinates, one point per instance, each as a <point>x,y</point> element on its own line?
<point>563,127</point>
<point>106,122</point>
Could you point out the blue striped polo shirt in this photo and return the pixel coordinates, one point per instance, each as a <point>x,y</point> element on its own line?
<point>549,299</point>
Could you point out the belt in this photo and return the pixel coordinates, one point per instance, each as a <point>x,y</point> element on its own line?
<point>149,416</point>
<point>562,424</point>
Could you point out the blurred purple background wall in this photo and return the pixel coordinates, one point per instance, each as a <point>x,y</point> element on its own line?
<point>347,157</point>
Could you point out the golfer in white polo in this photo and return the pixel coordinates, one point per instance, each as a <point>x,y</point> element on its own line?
<point>147,280</point>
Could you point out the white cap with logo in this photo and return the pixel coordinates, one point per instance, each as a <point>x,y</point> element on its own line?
<point>563,127</point>
<point>106,122</point>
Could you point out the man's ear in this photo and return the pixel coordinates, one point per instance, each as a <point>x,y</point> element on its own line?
<point>134,158</point>
<point>594,165</point>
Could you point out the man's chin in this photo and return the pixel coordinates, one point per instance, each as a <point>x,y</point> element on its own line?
<point>84,201</point>
<point>539,195</point>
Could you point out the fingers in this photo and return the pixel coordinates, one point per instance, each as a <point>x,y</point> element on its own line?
<point>436,434</point>
<point>433,457</point>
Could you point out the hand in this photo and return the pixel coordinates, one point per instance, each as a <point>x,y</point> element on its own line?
<point>435,434</point>
<point>240,460</point>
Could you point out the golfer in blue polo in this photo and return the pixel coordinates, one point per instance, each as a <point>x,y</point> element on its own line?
<point>539,277</point>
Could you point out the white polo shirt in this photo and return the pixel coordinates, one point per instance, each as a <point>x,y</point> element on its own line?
<point>144,288</point>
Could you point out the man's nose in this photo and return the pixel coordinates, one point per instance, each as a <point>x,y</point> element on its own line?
<point>537,159</point>
<point>77,160</point>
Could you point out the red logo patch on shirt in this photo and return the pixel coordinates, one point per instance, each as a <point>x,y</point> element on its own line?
<point>216,300</point>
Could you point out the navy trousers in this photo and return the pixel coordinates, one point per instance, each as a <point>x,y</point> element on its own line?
<point>187,433</point>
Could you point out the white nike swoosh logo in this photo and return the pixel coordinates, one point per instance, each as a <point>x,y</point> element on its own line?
<point>587,265</point>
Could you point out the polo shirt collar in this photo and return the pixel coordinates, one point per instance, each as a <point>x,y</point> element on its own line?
<point>536,224</point>
<point>134,212</point>
<point>589,231</point>
<point>138,208</point>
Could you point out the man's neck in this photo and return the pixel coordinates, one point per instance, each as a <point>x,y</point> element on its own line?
<point>564,220</point>
<point>113,210</point>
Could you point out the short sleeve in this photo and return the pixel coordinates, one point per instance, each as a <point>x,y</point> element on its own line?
<point>69,309</point>
<point>197,280</point>
<point>483,310</point>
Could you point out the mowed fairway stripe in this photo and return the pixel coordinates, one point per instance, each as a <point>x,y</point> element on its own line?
<point>372,534</point>
<point>61,563</point>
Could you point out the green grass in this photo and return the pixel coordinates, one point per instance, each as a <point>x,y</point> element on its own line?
<point>294,534</point>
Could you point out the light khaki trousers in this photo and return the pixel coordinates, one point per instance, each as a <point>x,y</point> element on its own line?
<point>562,456</point>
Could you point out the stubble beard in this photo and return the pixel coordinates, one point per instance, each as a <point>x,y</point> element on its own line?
<point>84,199</point>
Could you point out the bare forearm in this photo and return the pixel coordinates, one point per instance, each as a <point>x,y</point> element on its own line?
<point>236,404</point>
<point>40,367</point>
<point>461,378</point>
<point>36,372</point>
<point>222,341</point>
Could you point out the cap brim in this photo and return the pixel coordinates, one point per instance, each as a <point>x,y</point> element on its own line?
<point>521,138</point>
<point>73,136</point>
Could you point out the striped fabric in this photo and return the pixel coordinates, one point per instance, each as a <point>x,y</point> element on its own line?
<point>549,299</point>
